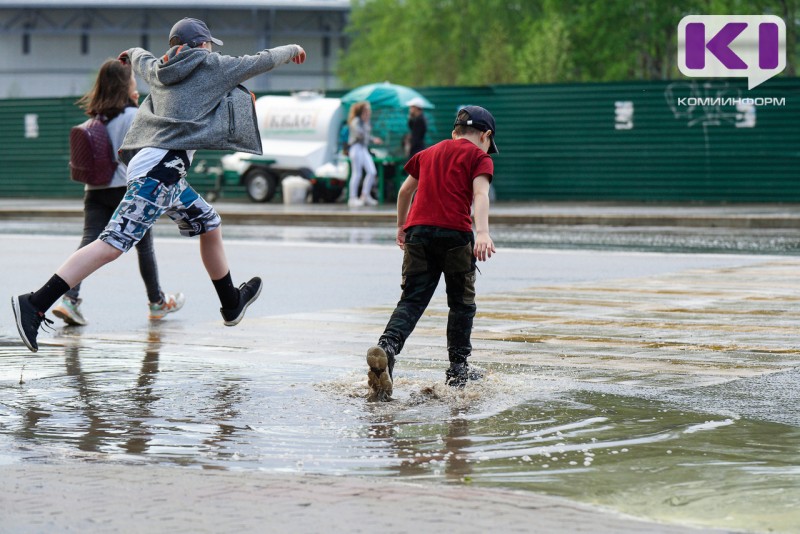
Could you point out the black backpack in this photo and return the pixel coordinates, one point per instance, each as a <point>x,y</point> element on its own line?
<point>91,154</point>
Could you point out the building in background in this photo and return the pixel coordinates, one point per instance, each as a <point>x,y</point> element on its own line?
<point>53,48</point>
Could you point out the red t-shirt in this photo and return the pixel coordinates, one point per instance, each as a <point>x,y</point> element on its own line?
<point>445,172</point>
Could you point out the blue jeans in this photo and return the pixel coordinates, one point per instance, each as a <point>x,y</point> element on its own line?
<point>431,251</point>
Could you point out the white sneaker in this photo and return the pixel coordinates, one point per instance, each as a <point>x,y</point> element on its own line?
<point>369,201</point>
<point>170,304</point>
<point>355,203</point>
<point>70,311</point>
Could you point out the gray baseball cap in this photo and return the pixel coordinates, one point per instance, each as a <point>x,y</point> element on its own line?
<point>192,32</point>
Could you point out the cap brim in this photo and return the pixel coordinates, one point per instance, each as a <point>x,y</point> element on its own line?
<point>493,147</point>
<point>216,41</point>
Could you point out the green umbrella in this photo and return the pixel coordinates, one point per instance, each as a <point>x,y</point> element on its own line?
<point>384,95</point>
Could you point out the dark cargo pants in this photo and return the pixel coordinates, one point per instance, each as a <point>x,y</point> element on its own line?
<point>431,251</point>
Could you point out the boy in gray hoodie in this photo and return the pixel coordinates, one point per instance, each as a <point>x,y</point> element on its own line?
<point>195,102</point>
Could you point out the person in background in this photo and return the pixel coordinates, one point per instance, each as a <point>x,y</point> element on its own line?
<point>417,126</point>
<point>360,128</point>
<point>115,97</point>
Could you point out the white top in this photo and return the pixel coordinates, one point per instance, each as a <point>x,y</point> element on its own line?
<point>117,128</point>
<point>147,158</point>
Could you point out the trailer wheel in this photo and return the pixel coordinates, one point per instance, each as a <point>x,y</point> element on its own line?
<point>260,185</point>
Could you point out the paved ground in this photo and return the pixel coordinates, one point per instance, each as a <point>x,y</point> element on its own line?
<point>95,497</point>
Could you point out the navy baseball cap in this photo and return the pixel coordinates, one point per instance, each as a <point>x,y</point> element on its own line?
<point>192,32</point>
<point>482,120</point>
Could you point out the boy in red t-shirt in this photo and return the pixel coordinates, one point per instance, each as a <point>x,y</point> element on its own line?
<point>436,236</point>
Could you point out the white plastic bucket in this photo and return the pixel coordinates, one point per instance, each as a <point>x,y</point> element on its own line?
<point>295,189</point>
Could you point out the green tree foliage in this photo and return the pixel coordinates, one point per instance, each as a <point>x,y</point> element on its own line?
<point>484,42</point>
<point>546,55</point>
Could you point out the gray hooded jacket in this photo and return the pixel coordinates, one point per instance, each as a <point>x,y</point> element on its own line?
<point>196,102</point>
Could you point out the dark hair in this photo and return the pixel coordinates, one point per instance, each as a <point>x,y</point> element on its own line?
<point>463,129</point>
<point>110,94</point>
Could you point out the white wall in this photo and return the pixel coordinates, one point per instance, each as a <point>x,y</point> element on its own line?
<point>55,66</point>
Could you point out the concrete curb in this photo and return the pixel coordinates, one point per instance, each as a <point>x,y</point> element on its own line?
<point>237,214</point>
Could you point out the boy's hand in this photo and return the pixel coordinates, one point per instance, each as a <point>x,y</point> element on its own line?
<point>484,246</point>
<point>401,238</point>
<point>301,57</point>
<point>124,58</point>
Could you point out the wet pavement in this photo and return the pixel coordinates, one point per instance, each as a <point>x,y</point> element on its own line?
<point>735,229</point>
<point>659,386</point>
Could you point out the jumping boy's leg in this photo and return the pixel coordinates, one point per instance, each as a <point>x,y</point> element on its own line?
<point>143,204</point>
<point>196,217</point>
<point>212,252</point>
<point>87,260</point>
<point>29,309</point>
<point>97,210</point>
<point>234,301</point>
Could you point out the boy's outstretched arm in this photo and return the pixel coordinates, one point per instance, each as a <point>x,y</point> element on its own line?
<point>484,247</point>
<point>404,197</point>
<point>242,68</point>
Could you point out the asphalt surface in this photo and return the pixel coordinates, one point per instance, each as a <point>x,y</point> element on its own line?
<point>92,496</point>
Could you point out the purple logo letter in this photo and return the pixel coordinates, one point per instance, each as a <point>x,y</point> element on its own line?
<point>718,45</point>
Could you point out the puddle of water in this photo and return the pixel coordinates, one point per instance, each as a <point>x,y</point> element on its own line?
<point>523,427</point>
<point>671,397</point>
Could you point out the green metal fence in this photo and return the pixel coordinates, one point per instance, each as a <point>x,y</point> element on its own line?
<point>34,150</point>
<point>683,140</point>
<point>639,141</point>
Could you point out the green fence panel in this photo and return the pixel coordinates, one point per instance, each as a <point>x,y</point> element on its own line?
<point>638,141</point>
<point>683,140</point>
<point>34,151</point>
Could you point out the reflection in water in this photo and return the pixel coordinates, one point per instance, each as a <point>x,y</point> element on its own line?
<point>105,425</point>
<point>455,443</point>
<point>144,395</point>
<point>150,401</point>
<point>671,397</point>
<point>116,402</point>
<point>424,450</point>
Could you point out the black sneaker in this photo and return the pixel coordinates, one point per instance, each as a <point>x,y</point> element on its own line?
<point>379,376</point>
<point>28,320</point>
<point>248,293</point>
<point>459,374</point>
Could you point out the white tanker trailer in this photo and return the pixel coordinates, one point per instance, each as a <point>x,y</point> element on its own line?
<point>299,136</point>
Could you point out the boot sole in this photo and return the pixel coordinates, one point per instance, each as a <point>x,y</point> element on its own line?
<point>17,315</point>
<point>380,383</point>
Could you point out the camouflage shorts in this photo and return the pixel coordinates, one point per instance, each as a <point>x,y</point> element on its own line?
<point>148,199</point>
